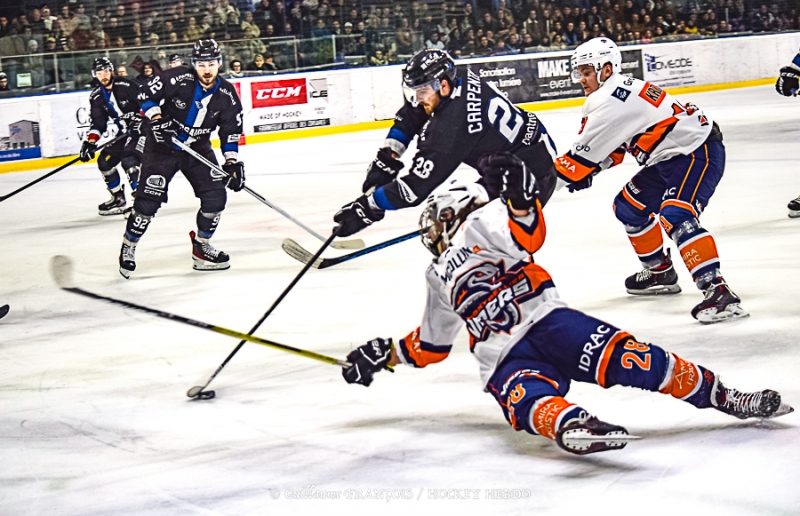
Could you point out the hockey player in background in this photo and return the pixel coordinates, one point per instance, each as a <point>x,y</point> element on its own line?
<point>115,99</point>
<point>175,60</point>
<point>787,85</point>
<point>188,103</point>
<point>528,344</point>
<point>683,156</point>
<point>458,117</point>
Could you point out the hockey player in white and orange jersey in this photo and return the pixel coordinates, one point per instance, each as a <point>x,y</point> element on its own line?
<point>683,156</point>
<point>528,344</point>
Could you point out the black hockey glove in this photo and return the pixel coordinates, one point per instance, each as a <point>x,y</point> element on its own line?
<point>163,130</point>
<point>367,360</point>
<point>87,150</point>
<point>383,169</point>
<point>235,179</point>
<point>357,215</point>
<point>507,176</point>
<point>133,122</point>
<point>787,84</point>
<point>583,184</point>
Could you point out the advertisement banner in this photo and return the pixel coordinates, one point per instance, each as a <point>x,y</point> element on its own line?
<point>19,132</point>
<point>288,104</point>
<point>548,78</point>
<point>70,119</point>
<point>669,66</point>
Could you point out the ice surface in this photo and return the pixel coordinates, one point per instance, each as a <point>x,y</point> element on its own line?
<point>94,415</point>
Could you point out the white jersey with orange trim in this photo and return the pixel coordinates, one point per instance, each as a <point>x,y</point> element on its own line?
<point>628,114</point>
<point>487,281</point>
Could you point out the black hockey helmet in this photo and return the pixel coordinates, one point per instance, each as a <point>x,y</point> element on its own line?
<point>206,50</point>
<point>101,63</point>
<point>427,68</point>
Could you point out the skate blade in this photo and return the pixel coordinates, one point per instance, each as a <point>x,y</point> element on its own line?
<point>582,441</point>
<point>660,290</point>
<point>125,273</point>
<point>202,265</point>
<point>794,214</point>
<point>114,211</point>
<point>712,316</point>
<point>782,411</point>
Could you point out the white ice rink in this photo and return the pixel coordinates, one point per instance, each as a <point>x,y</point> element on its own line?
<point>93,413</point>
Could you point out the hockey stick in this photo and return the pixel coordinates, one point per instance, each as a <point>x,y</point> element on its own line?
<point>198,390</point>
<point>297,252</point>
<point>59,169</point>
<point>344,244</point>
<point>61,270</point>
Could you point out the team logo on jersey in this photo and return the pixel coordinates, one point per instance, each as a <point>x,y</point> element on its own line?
<point>179,103</point>
<point>156,182</point>
<point>621,93</point>
<point>487,298</point>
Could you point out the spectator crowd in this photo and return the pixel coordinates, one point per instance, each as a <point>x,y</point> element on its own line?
<point>373,32</point>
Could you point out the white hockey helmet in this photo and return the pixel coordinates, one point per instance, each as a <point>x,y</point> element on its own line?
<point>596,52</point>
<point>446,209</point>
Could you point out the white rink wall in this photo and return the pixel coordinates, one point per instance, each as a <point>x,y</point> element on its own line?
<point>345,97</point>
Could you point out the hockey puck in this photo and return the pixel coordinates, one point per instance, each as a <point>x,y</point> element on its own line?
<point>206,395</point>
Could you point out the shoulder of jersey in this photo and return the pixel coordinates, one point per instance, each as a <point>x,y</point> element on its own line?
<point>172,75</point>
<point>127,82</point>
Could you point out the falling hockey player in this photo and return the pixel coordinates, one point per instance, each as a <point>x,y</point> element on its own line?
<point>115,99</point>
<point>188,103</point>
<point>788,86</point>
<point>528,344</point>
<point>458,117</point>
<point>683,156</point>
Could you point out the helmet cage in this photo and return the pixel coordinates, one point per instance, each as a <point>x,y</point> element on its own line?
<point>445,211</point>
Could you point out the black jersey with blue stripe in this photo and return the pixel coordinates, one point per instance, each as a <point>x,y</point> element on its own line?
<point>177,94</point>
<point>105,105</point>
<point>474,120</point>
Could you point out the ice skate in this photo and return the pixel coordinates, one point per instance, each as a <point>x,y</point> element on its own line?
<point>765,404</point>
<point>127,258</point>
<point>590,435</point>
<point>205,257</point>
<point>115,205</point>
<point>654,281</point>
<point>720,304</point>
<point>794,208</point>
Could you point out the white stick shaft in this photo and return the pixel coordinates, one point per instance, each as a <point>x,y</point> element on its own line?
<point>219,170</point>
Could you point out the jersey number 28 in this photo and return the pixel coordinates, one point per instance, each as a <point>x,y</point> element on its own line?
<point>510,119</point>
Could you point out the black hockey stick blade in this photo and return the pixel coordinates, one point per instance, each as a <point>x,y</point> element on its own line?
<point>3,311</point>
<point>300,254</point>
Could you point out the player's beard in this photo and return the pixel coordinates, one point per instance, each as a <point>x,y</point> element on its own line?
<point>207,79</point>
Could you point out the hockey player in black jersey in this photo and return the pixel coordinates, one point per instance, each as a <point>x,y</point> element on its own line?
<point>788,85</point>
<point>115,99</point>
<point>188,104</point>
<point>458,118</point>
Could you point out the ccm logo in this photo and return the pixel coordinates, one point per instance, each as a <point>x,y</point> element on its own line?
<point>279,93</point>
